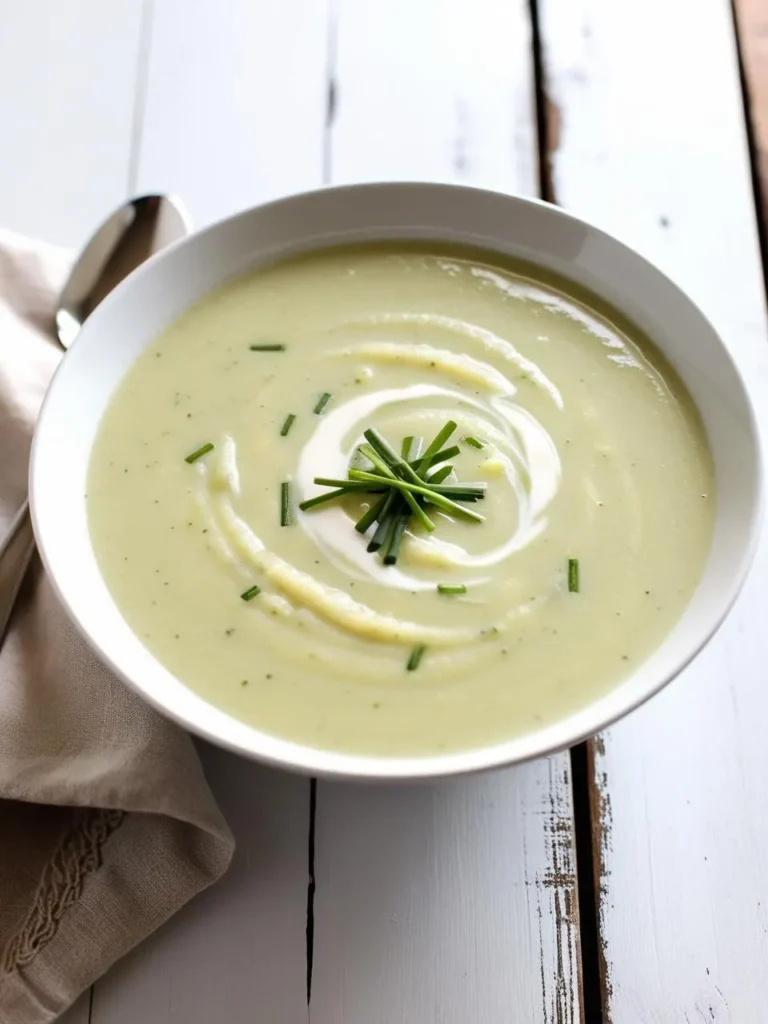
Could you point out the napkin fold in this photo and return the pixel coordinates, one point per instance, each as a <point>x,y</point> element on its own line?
<point>107,825</point>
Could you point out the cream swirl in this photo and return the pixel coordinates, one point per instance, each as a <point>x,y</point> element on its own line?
<point>482,400</point>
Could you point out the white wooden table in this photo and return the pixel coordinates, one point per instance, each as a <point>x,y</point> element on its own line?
<point>457,903</point>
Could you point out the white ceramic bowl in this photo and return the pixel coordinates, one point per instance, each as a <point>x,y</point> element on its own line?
<point>156,293</point>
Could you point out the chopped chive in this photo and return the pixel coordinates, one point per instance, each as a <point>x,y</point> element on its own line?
<point>419,512</point>
<point>573,575</point>
<point>416,655</point>
<point>473,441</point>
<point>411,448</point>
<point>440,438</point>
<point>443,456</point>
<point>439,475</point>
<point>267,348</point>
<point>451,588</point>
<point>388,476</point>
<point>323,400</point>
<point>287,425</point>
<point>409,489</point>
<point>250,593</point>
<point>351,485</point>
<point>395,539</point>
<point>395,461</point>
<point>381,533</point>
<point>369,518</point>
<point>328,496</point>
<point>285,505</point>
<point>203,450</point>
<point>378,463</point>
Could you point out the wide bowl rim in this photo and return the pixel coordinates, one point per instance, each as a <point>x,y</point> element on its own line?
<point>551,739</point>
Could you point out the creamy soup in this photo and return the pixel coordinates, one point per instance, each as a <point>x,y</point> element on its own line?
<point>582,476</point>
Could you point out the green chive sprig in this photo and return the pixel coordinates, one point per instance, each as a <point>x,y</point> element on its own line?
<point>286,517</point>
<point>271,347</point>
<point>322,401</point>
<point>451,588</point>
<point>201,451</point>
<point>289,420</point>
<point>573,575</point>
<point>405,484</point>
<point>473,442</point>
<point>250,593</point>
<point>414,660</point>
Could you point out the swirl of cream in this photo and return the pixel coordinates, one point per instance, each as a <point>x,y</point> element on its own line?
<point>529,458</point>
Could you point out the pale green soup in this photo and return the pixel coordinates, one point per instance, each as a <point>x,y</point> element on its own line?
<point>590,451</point>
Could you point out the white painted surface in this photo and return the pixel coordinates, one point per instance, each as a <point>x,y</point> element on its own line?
<point>455,902</point>
<point>233,112</point>
<point>231,108</point>
<point>236,954</point>
<point>447,903</point>
<point>441,903</point>
<point>653,149</point>
<point>68,72</point>
<point>435,90</point>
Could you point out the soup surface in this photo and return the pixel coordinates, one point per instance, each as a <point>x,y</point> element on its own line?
<point>590,464</point>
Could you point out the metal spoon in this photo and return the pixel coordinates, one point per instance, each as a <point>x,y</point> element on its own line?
<point>128,237</point>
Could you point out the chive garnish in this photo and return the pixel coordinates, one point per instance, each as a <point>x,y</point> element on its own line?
<point>380,534</point>
<point>451,588</point>
<point>250,593</point>
<point>369,518</point>
<point>406,485</point>
<point>285,504</point>
<point>439,475</point>
<point>433,449</point>
<point>573,575</point>
<point>443,456</point>
<point>411,448</point>
<point>287,425</point>
<point>328,496</point>
<point>416,655</point>
<point>432,496</point>
<point>267,348</point>
<point>395,539</point>
<point>472,490</point>
<point>473,441</point>
<point>384,464</point>
<point>322,401</point>
<point>203,450</point>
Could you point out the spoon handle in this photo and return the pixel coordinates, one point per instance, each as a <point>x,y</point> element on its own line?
<point>15,554</point>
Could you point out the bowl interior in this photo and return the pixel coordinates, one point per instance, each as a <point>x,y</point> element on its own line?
<point>159,291</point>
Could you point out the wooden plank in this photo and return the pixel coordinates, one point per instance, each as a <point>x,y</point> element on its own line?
<point>653,148</point>
<point>451,902</point>
<point>68,73</point>
<point>237,952</point>
<point>235,99</point>
<point>752,22</point>
<point>66,143</point>
<point>233,113</point>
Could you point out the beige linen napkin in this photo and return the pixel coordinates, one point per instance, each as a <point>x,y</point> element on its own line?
<point>107,825</point>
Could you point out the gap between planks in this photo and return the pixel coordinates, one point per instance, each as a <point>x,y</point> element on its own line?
<point>587,809</point>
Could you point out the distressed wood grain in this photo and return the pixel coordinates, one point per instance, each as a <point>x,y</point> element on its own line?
<point>232,112</point>
<point>456,901</point>
<point>752,23</point>
<point>652,147</point>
